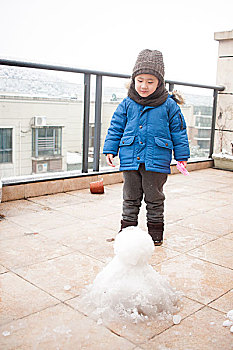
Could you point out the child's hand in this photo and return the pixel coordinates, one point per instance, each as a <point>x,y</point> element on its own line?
<point>109,159</point>
<point>184,163</point>
<point>181,166</point>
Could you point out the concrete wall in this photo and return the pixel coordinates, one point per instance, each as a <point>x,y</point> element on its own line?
<point>224,118</point>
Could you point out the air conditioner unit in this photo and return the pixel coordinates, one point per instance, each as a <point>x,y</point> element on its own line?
<point>40,121</point>
<point>41,168</point>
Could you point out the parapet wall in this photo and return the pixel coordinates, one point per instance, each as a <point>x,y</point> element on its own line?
<point>34,189</point>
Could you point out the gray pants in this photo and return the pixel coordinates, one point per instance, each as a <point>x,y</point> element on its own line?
<point>149,183</point>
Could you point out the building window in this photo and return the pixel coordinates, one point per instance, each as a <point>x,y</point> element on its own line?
<point>46,141</point>
<point>204,144</point>
<point>6,145</point>
<point>203,121</point>
<point>204,133</point>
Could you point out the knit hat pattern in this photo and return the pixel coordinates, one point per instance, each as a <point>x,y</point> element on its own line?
<point>149,62</point>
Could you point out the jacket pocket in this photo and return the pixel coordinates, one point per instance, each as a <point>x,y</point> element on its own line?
<point>127,146</point>
<point>164,143</point>
<point>163,151</point>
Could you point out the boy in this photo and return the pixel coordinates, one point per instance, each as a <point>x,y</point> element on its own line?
<point>146,127</point>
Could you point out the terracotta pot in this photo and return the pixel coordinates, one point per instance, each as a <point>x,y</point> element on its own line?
<point>97,187</point>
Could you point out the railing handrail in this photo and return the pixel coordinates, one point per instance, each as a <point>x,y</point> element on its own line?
<point>6,62</point>
<point>213,87</point>
<point>22,64</point>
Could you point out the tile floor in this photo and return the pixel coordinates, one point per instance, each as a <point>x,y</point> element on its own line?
<point>52,241</point>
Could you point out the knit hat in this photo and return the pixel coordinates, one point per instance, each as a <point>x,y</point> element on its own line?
<point>149,62</point>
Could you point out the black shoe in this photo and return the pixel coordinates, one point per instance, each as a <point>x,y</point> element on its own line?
<point>155,230</point>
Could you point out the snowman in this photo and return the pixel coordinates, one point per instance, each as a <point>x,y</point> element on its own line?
<point>128,287</point>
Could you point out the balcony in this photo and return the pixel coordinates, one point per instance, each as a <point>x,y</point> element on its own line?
<point>55,233</point>
<point>53,246</point>
<point>54,121</point>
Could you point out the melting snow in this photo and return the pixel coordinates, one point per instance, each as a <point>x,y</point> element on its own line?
<point>230,315</point>
<point>67,287</point>
<point>176,319</point>
<point>223,155</point>
<point>100,321</point>
<point>229,322</point>
<point>128,286</point>
<point>6,333</point>
<point>62,329</point>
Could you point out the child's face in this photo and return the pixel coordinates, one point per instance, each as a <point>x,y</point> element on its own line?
<point>146,84</point>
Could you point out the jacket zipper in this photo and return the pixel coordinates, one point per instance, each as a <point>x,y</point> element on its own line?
<point>181,122</point>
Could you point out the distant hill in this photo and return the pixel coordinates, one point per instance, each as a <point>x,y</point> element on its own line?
<point>36,83</point>
<point>18,81</point>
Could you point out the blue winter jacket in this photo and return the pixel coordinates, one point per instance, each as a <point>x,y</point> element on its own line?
<point>147,135</point>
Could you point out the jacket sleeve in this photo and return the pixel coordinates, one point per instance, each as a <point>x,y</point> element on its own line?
<point>116,129</point>
<point>178,132</point>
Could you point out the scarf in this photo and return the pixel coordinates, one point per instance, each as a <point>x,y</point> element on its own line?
<point>157,98</point>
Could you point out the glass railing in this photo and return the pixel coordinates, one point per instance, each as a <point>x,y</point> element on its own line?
<point>53,120</point>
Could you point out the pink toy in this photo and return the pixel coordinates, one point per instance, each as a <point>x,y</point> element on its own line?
<point>180,166</point>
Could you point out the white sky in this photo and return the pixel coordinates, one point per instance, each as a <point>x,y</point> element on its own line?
<point>108,34</point>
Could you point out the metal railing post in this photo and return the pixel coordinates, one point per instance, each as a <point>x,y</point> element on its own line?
<point>98,102</point>
<point>171,87</point>
<point>215,96</point>
<point>86,114</point>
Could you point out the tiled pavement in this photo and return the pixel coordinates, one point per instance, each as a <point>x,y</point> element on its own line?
<point>52,241</point>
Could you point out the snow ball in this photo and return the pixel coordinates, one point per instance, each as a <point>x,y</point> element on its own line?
<point>231,329</point>
<point>230,315</point>
<point>6,333</point>
<point>133,246</point>
<point>176,319</point>
<point>227,323</point>
<point>67,287</point>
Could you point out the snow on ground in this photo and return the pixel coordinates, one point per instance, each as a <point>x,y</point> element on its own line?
<point>229,321</point>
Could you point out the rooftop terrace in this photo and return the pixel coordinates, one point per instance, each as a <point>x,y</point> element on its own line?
<point>50,242</point>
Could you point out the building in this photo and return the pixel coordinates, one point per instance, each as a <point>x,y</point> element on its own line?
<point>41,135</point>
